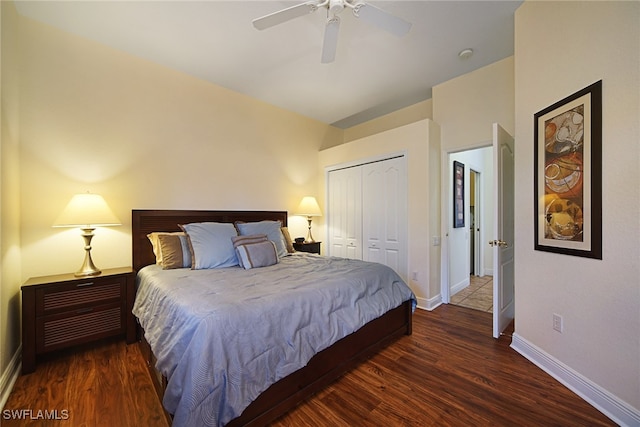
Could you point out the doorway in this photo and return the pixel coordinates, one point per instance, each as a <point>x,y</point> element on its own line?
<point>456,264</point>
<point>470,265</point>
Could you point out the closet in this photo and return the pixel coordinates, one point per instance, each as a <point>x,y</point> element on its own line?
<point>367,212</point>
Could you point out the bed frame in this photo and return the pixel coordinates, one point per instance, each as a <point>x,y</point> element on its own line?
<point>324,368</point>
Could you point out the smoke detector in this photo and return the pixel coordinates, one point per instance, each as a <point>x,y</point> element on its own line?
<point>465,54</point>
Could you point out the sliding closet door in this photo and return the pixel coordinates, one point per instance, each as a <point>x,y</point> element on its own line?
<point>345,213</point>
<point>384,213</point>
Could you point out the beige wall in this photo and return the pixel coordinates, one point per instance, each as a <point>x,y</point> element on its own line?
<point>144,136</point>
<point>466,108</point>
<point>404,116</point>
<point>599,299</point>
<point>419,141</point>
<point>10,279</point>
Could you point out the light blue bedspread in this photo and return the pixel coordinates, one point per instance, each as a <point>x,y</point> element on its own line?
<point>223,336</point>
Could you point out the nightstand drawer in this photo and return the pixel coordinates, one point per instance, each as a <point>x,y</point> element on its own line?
<point>66,297</point>
<point>79,326</point>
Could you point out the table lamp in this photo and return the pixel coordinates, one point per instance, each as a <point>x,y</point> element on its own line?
<point>87,211</point>
<point>309,207</point>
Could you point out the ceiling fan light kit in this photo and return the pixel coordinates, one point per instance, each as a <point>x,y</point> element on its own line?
<point>335,6</point>
<point>361,10</point>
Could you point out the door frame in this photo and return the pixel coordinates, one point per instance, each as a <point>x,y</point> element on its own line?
<point>446,212</point>
<point>478,248</point>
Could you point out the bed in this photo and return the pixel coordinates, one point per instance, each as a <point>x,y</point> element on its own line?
<point>287,388</point>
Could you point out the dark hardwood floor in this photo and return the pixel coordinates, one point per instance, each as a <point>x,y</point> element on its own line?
<point>450,372</point>
<point>104,384</point>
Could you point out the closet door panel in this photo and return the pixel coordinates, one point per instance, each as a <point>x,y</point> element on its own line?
<point>384,213</point>
<point>345,213</point>
<point>368,213</point>
<point>337,240</point>
<point>373,201</point>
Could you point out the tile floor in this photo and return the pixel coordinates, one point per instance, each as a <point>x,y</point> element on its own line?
<point>478,295</point>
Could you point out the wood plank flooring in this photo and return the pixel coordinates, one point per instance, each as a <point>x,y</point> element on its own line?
<point>104,384</point>
<point>450,372</point>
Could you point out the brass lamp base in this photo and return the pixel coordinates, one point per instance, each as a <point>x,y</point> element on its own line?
<point>88,268</point>
<point>309,238</point>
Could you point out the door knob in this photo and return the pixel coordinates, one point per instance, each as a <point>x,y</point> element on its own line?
<point>500,243</point>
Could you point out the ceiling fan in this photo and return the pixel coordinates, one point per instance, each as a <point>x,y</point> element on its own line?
<point>362,10</point>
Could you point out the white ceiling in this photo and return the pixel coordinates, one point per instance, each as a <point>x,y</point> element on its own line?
<point>374,72</point>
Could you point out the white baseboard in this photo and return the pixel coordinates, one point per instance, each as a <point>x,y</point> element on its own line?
<point>9,377</point>
<point>459,286</point>
<point>429,304</point>
<point>617,410</point>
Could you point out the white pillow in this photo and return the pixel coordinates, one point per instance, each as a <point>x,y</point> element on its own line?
<point>270,228</point>
<point>211,245</point>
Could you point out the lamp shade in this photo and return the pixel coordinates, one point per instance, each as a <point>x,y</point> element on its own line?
<point>85,210</point>
<point>309,207</point>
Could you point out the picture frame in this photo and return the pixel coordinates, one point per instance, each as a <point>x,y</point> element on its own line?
<point>458,194</point>
<point>568,175</point>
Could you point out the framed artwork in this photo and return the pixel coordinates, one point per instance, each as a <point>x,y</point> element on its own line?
<point>458,194</point>
<point>568,175</point>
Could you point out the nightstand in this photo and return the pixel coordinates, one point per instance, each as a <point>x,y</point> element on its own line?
<point>63,310</point>
<point>313,248</point>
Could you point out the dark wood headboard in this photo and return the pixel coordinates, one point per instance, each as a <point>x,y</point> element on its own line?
<point>144,222</point>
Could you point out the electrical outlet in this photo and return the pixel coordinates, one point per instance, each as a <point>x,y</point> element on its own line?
<point>557,322</point>
<point>414,276</point>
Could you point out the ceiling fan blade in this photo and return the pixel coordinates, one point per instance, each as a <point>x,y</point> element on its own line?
<point>285,15</point>
<point>382,19</point>
<point>330,43</point>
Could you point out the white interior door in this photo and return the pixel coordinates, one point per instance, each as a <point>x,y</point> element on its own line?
<point>384,214</point>
<point>503,262</point>
<point>345,213</point>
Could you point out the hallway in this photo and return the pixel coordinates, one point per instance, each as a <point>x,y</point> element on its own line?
<point>478,295</point>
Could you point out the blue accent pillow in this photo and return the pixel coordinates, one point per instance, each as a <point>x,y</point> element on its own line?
<point>211,245</point>
<point>270,228</point>
<point>259,254</point>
